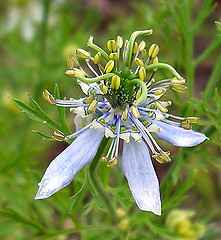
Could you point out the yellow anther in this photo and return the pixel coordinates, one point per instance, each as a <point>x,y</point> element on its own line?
<point>92,106</point>
<point>75,72</point>
<point>89,99</point>
<point>139,62</point>
<point>160,92</point>
<point>161,107</point>
<point>125,114</point>
<point>109,66</point>
<point>113,162</point>
<point>153,51</point>
<point>115,82</point>
<point>81,53</point>
<point>48,97</point>
<point>135,111</point>
<point>58,136</point>
<point>180,88</point>
<point>111,45</point>
<point>178,81</point>
<point>166,103</point>
<point>162,157</point>
<point>104,158</point>
<point>119,42</point>
<point>155,60</point>
<point>193,120</point>
<point>141,46</point>
<point>142,73</point>
<point>103,88</point>
<point>97,58</point>
<point>135,48</point>
<point>187,122</point>
<point>113,56</point>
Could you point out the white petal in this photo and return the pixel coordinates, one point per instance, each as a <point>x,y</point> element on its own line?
<point>138,169</point>
<point>63,168</point>
<point>178,136</point>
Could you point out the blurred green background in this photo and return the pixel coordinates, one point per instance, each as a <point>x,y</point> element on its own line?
<point>36,37</point>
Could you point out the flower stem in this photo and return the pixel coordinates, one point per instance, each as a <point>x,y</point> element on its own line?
<point>96,184</point>
<point>164,66</point>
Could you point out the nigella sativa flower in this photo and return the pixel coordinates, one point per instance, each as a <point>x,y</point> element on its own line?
<point>123,102</point>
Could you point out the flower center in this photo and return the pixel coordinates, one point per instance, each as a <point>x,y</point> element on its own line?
<point>125,94</point>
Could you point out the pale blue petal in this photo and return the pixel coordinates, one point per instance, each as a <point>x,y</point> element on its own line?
<point>179,136</point>
<point>138,169</point>
<point>63,168</point>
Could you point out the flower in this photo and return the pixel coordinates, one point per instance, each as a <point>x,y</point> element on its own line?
<point>181,222</point>
<point>123,102</point>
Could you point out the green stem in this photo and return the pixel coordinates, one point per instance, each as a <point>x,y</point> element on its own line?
<point>215,44</point>
<point>164,66</point>
<point>96,184</point>
<point>143,90</point>
<point>97,48</point>
<point>214,78</point>
<point>132,39</point>
<point>96,79</point>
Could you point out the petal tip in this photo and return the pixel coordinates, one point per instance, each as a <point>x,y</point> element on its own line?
<point>41,194</point>
<point>155,209</point>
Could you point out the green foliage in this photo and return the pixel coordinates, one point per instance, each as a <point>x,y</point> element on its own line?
<point>30,65</point>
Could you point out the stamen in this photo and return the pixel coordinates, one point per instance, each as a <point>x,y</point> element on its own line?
<point>91,68</point>
<point>141,129</point>
<point>81,53</point>
<point>95,47</point>
<point>153,51</point>
<point>109,66</point>
<point>115,82</point>
<point>58,136</point>
<point>48,97</point>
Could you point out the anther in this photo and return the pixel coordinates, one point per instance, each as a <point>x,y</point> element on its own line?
<point>153,51</point>
<point>139,62</point>
<point>111,45</point>
<point>115,82</point>
<point>48,97</point>
<point>109,66</point>
<point>162,157</point>
<point>141,46</point>
<point>142,73</point>
<point>187,122</point>
<point>92,106</point>
<point>125,114</point>
<point>58,136</point>
<point>135,111</point>
<point>113,56</point>
<point>135,48</point>
<point>119,42</point>
<point>75,72</point>
<point>97,58</point>
<point>103,88</point>
<point>81,53</point>
<point>112,162</point>
<point>161,107</point>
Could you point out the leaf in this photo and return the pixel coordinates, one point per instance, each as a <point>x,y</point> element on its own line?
<point>44,136</point>
<point>17,217</point>
<point>44,116</point>
<point>32,114</point>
